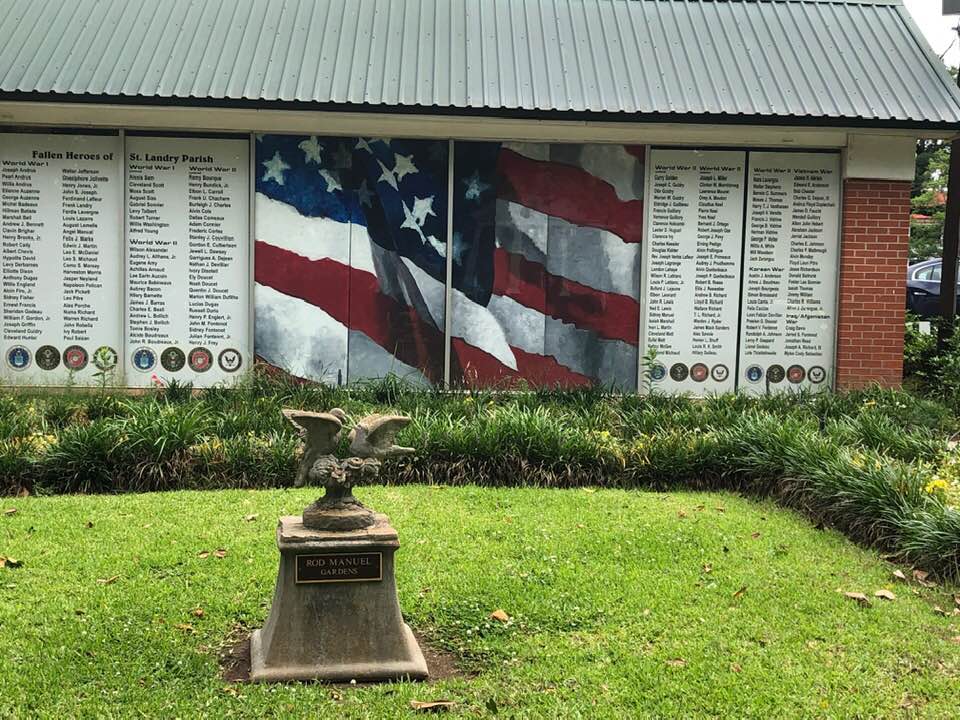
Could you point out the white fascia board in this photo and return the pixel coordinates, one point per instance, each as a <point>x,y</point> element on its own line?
<point>880,157</point>
<point>239,120</point>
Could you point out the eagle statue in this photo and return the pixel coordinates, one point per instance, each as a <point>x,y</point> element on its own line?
<point>371,440</point>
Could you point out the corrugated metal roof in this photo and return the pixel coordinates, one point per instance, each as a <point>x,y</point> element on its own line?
<point>853,59</point>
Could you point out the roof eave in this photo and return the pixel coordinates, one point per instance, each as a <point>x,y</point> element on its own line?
<point>511,113</point>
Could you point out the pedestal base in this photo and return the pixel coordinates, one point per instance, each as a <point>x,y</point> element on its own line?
<point>335,615</point>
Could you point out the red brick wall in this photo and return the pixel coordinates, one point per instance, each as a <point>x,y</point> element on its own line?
<point>873,261</point>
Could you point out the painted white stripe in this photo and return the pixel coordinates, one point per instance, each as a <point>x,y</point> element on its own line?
<point>612,361</point>
<point>368,361</point>
<point>472,322</point>
<point>534,151</point>
<point>299,337</point>
<point>590,256</point>
<point>309,343</point>
<point>282,226</point>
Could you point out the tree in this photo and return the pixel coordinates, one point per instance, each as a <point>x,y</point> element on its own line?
<point>929,198</point>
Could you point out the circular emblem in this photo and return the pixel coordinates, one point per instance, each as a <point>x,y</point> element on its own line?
<point>173,359</point>
<point>754,374</point>
<point>678,372</point>
<point>720,373</point>
<point>775,374</point>
<point>699,372</point>
<point>658,372</point>
<point>144,359</point>
<point>75,358</point>
<point>816,374</point>
<point>105,358</point>
<point>230,360</point>
<point>200,359</point>
<point>48,357</point>
<point>18,357</point>
<point>796,374</point>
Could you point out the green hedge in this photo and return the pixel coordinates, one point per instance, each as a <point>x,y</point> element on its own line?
<point>873,463</point>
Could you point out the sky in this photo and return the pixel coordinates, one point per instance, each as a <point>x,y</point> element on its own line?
<point>937,27</point>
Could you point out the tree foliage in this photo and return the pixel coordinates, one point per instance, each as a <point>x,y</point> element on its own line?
<point>928,199</point>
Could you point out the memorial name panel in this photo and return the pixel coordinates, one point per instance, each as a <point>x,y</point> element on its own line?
<point>790,271</point>
<point>61,237</point>
<point>692,266</point>
<point>188,260</point>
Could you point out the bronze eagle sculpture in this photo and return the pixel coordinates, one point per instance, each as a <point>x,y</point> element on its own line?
<point>371,440</point>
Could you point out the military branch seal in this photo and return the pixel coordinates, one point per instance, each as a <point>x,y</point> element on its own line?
<point>776,373</point>
<point>105,358</point>
<point>18,358</point>
<point>144,359</point>
<point>699,372</point>
<point>172,359</point>
<point>229,360</point>
<point>200,359</point>
<point>75,358</point>
<point>48,357</point>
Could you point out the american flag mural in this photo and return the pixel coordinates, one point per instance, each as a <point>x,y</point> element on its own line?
<point>546,250</point>
<point>350,260</point>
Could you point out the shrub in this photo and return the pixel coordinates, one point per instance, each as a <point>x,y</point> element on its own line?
<point>874,463</point>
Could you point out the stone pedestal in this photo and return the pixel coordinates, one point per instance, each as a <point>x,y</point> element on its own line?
<point>335,615</point>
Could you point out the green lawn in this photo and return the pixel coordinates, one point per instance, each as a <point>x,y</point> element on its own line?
<point>623,604</point>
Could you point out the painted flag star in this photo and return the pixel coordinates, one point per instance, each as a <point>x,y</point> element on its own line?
<point>363,144</point>
<point>333,182</point>
<point>403,165</point>
<point>387,176</point>
<point>364,194</point>
<point>275,167</point>
<point>440,247</point>
<point>410,222</point>
<point>342,157</point>
<point>422,207</point>
<point>475,186</point>
<point>311,150</point>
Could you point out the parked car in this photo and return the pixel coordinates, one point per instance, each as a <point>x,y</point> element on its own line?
<point>923,288</point>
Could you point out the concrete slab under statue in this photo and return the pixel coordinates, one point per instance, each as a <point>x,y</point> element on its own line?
<point>335,615</point>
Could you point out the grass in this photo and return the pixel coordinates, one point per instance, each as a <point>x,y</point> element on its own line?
<point>875,464</point>
<point>622,604</point>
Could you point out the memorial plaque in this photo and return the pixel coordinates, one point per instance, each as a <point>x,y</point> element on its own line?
<point>340,567</point>
<point>61,235</point>
<point>788,314</point>
<point>693,242</point>
<point>188,259</point>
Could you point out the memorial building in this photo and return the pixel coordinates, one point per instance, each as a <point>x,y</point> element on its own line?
<point>697,195</point>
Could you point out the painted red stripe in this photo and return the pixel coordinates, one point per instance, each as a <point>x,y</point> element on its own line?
<point>609,315</point>
<point>568,192</point>
<point>475,367</point>
<point>324,283</point>
<point>354,298</point>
